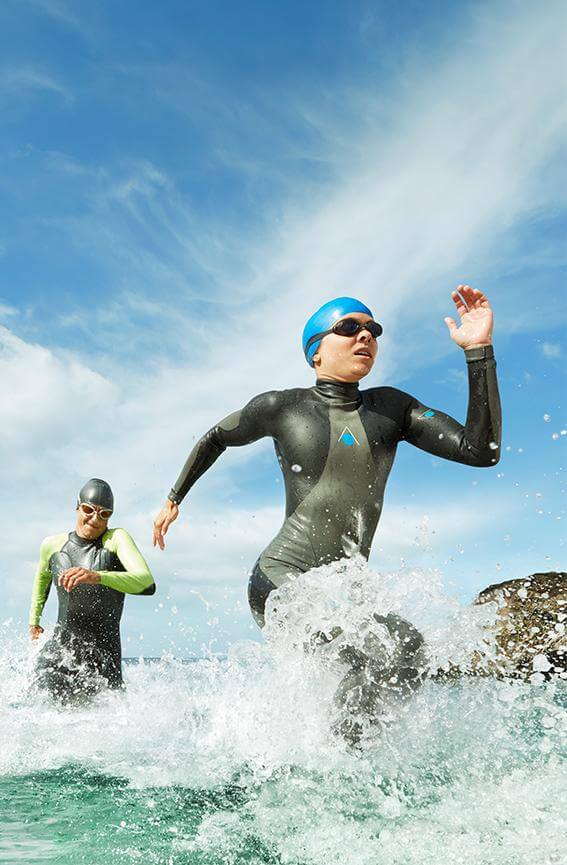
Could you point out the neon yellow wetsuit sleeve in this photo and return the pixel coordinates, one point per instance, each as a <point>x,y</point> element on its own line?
<point>136,575</point>
<point>42,579</point>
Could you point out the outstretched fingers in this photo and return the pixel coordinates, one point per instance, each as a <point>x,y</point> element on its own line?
<point>481,299</point>
<point>470,297</point>
<point>474,298</point>
<point>458,300</point>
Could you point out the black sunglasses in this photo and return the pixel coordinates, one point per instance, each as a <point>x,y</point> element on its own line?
<point>347,327</point>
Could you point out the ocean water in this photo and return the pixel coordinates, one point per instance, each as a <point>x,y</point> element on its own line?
<point>238,759</point>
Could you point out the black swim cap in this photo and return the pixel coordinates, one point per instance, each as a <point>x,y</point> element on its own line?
<point>96,492</point>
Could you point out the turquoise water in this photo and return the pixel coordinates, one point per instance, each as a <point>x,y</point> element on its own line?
<point>234,760</point>
<point>72,816</point>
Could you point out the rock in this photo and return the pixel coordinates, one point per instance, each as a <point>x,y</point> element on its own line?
<point>529,632</point>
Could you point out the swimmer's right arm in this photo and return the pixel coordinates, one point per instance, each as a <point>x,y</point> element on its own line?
<point>40,590</point>
<point>240,428</point>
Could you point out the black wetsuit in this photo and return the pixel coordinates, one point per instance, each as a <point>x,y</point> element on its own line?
<point>336,445</point>
<point>84,651</point>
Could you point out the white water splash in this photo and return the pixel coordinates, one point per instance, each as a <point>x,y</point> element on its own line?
<point>465,772</point>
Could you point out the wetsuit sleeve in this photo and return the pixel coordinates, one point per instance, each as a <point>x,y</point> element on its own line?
<point>136,578</point>
<point>242,427</point>
<point>478,442</point>
<point>41,583</point>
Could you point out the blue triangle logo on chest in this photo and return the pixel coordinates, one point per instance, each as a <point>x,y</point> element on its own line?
<point>347,437</point>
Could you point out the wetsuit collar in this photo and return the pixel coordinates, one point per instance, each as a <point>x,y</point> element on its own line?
<point>339,392</point>
<point>84,542</point>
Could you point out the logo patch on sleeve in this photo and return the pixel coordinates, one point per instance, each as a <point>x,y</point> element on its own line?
<point>428,413</point>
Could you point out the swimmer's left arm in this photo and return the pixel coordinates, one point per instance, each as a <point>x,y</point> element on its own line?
<point>136,578</point>
<point>478,442</point>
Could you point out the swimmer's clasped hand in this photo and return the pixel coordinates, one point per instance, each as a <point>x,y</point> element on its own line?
<point>476,318</point>
<point>164,519</point>
<point>75,576</point>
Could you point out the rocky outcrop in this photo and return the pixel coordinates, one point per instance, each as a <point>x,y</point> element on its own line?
<point>530,632</point>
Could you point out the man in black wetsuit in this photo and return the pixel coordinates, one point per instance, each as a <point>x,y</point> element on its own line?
<point>336,444</point>
<point>92,568</point>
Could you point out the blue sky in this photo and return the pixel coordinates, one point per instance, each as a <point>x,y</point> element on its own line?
<point>182,184</point>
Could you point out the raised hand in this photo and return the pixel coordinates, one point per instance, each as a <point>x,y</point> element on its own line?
<point>164,519</point>
<point>476,318</point>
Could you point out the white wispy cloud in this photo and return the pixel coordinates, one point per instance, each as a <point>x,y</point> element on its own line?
<point>58,10</point>
<point>551,350</point>
<point>19,79</point>
<point>48,401</point>
<point>7,311</point>
<point>423,203</point>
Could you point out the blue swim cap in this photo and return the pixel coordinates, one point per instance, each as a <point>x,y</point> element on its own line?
<point>324,319</point>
